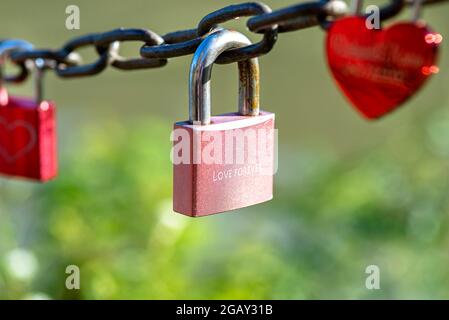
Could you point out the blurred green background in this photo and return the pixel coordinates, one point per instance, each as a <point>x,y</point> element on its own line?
<point>349,193</point>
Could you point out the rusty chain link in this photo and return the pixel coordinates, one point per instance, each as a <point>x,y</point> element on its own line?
<point>157,49</point>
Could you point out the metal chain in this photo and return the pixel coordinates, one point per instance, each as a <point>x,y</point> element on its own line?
<point>157,49</point>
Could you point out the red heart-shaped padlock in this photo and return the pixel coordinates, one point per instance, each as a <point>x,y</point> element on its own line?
<point>379,69</point>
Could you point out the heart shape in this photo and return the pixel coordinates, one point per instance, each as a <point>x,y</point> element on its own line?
<point>379,69</point>
<point>17,128</point>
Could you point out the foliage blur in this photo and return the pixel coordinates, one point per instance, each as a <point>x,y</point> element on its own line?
<point>349,193</point>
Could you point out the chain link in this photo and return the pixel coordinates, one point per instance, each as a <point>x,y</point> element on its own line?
<point>176,44</point>
<point>157,49</point>
<point>212,20</point>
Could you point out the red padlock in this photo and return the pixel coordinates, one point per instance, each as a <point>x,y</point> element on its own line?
<point>222,162</point>
<point>379,69</point>
<point>28,136</point>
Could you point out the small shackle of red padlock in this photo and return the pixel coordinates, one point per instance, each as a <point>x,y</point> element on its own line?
<point>355,7</point>
<point>6,47</point>
<point>39,65</point>
<point>416,10</point>
<point>200,74</point>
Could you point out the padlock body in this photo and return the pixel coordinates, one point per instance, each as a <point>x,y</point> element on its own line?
<point>28,139</point>
<point>244,177</point>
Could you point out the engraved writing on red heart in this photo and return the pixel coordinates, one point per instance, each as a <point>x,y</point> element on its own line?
<point>378,70</point>
<point>12,152</point>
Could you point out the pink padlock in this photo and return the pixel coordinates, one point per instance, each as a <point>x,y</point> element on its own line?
<point>223,162</point>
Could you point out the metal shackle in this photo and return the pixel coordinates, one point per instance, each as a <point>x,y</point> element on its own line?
<point>200,74</point>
